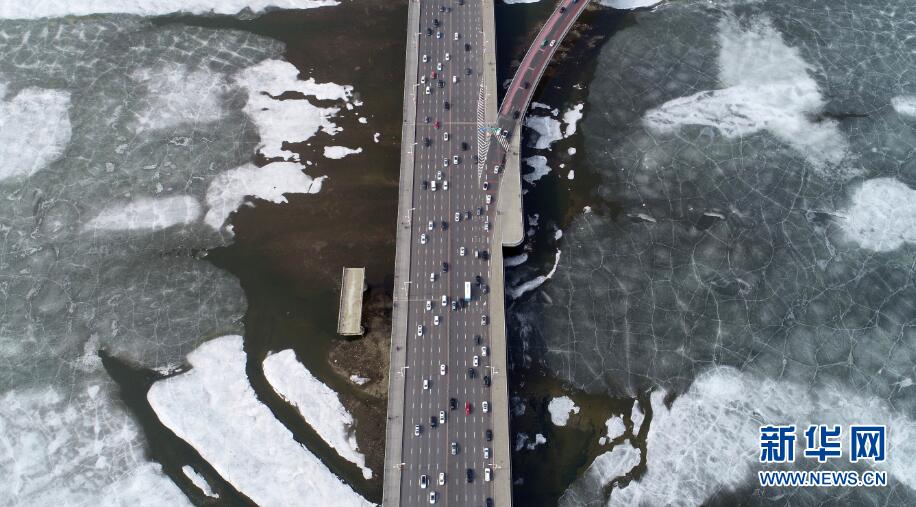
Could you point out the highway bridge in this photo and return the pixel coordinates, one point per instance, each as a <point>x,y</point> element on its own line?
<point>447,435</point>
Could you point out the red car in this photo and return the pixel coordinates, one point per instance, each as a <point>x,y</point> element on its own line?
<point>436,124</point>
<point>467,408</point>
<point>432,74</point>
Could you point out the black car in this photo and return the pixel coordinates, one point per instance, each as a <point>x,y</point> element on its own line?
<point>446,105</point>
<point>478,279</point>
<point>489,435</point>
<point>476,158</point>
<point>485,289</point>
<point>516,114</point>
<point>454,305</point>
<point>441,85</point>
<point>464,146</point>
<point>486,380</point>
<point>470,475</point>
<point>467,214</point>
<point>479,211</point>
<point>444,225</point>
<point>484,254</point>
<point>452,403</point>
<point>467,47</point>
<point>433,421</point>
<point>471,372</point>
<point>460,2</point>
<point>526,85</point>
<point>429,31</point>
<point>477,339</point>
<point>562,10</point>
<point>441,8</point>
<point>427,142</point>
<point>425,184</point>
<point>467,71</point>
<point>489,502</point>
<point>436,22</point>
<point>445,267</point>
<point>426,119</point>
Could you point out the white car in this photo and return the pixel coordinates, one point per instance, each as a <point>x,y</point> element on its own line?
<point>442,417</point>
<point>432,496</point>
<point>438,177</point>
<point>455,159</point>
<point>442,369</point>
<point>420,330</point>
<point>424,481</point>
<point>461,251</point>
<point>432,277</point>
<point>483,351</point>
<point>489,199</point>
<point>456,36</point>
<point>425,58</point>
<point>487,474</point>
<point>445,185</point>
<point>427,90</point>
<point>438,35</point>
<point>445,136</point>
<point>475,361</point>
<point>457,216</point>
<point>486,453</point>
<point>416,430</point>
<point>422,239</point>
<point>553,42</point>
<point>444,300</point>
<point>423,79</point>
<point>454,79</point>
<point>486,226</point>
<point>438,65</point>
<point>486,407</point>
<point>429,305</point>
<point>485,185</point>
<point>448,57</point>
<point>442,478</point>
<point>483,320</point>
<point>445,162</point>
<point>435,320</point>
<point>432,185</point>
<point>496,169</point>
<point>426,383</point>
<point>429,226</point>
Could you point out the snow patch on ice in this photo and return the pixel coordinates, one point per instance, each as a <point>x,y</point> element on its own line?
<point>548,130</point>
<point>571,118</point>
<point>213,408</point>
<point>147,213</point>
<point>539,105</point>
<point>34,129</point>
<point>291,120</point>
<point>227,191</point>
<point>905,105</point>
<point>629,4</point>
<point>339,152</point>
<point>767,87</point>
<point>724,409</point>
<point>318,404</point>
<point>882,216</point>
<point>539,164</point>
<point>199,481</point>
<point>637,416</point>
<point>560,408</point>
<point>530,285</point>
<point>60,8</point>
<point>176,94</point>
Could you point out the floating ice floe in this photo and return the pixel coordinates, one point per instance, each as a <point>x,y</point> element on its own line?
<point>34,129</point>
<point>547,128</point>
<point>356,379</point>
<point>61,8</point>
<point>516,260</point>
<point>376,136</point>
<point>882,215</point>
<point>271,183</point>
<point>539,164</point>
<point>558,234</point>
<point>318,404</point>
<point>571,118</point>
<point>723,408</point>
<point>291,120</point>
<point>530,285</point>
<point>767,86</point>
<point>637,416</point>
<point>147,214</point>
<point>571,175</point>
<point>213,408</point>
<point>339,152</point>
<point>606,468</point>
<point>615,428</point>
<point>199,481</point>
<point>560,408</point>
<point>523,441</point>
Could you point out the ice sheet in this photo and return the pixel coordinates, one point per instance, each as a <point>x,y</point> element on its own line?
<point>318,404</point>
<point>13,9</point>
<point>214,409</point>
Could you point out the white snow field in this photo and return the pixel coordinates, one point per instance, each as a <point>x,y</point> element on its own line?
<point>214,409</point>
<point>147,214</point>
<point>882,216</point>
<point>318,404</point>
<point>34,129</point>
<point>15,9</point>
<point>767,86</point>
